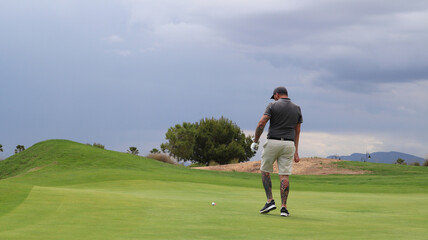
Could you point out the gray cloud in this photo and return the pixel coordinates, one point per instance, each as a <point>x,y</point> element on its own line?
<point>356,42</point>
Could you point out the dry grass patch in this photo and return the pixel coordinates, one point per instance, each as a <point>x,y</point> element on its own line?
<point>306,166</point>
<point>162,158</point>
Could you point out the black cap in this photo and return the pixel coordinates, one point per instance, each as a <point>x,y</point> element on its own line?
<point>281,90</point>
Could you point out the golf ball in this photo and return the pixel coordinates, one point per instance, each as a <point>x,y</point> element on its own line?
<point>213,203</point>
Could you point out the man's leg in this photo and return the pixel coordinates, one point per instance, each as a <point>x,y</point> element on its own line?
<point>285,189</point>
<point>267,184</point>
<point>266,168</point>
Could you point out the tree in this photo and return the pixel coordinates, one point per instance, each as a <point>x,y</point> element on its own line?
<point>181,141</point>
<point>218,140</point>
<point>19,148</point>
<point>400,161</point>
<point>1,148</point>
<point>133,150</point>
<point>154,151</point>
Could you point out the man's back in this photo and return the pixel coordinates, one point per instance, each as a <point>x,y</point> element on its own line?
<point>284,116</point>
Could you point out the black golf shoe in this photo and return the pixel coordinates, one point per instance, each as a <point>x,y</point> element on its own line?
<point>284,212</point>
<point>268,207</point>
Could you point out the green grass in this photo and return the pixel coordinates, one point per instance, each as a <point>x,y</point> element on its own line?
<point>59,189</point>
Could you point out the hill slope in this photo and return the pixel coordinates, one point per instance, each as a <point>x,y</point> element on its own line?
<point>65,162</point>
<point>60,189</point>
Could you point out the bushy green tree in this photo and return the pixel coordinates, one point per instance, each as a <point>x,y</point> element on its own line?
<point>218,140</point>
<point>181,140</point>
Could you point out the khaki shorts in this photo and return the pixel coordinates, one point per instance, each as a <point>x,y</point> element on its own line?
<point>282,151</point>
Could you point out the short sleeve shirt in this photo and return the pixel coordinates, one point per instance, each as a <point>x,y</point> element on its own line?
<point>284,116</point>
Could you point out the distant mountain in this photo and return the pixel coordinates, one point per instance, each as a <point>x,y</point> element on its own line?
<point>380,157</point>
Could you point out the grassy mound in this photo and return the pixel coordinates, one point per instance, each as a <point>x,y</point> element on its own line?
<point>60,189</point>
<point>69,155</point>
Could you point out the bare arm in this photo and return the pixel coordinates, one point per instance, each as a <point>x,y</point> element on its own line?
<point>260,127</point>
<point>296,143</point>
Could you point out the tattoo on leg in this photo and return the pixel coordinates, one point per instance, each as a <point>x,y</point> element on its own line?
<point>285,189</point>
<point>267,184</point>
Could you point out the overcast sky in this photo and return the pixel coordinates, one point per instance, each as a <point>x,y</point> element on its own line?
<point>120,73</point>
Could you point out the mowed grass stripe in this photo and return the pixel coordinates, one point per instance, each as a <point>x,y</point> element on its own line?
<point>153,209</point>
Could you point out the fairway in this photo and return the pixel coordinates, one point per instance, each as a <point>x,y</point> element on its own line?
<point>119,196</point>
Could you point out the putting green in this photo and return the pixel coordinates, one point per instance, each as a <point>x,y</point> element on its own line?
<point>64,190</point>
<point>143,209</point>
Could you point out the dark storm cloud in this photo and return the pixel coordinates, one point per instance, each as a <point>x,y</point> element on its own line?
<point>284,26</point>
<point>357,43</point>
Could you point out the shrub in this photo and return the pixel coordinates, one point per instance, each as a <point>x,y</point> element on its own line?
<point>98,145</point>
<point>426,163</point>
<point>162,158</point>
<point>154,151</point>
<point>213,163</point>
<point>415,164</point>
<point>400,161</point>
<point>19,148</point>
<point>133,150</point>
<point>196,164</point>
<point>235,160</point>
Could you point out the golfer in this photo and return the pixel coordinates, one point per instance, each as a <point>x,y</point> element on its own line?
<point>282,145</point>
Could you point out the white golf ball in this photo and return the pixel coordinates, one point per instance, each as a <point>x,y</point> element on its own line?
<point>213,203</point>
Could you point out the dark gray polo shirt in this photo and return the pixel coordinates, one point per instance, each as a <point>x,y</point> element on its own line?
<point>284,116</point>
